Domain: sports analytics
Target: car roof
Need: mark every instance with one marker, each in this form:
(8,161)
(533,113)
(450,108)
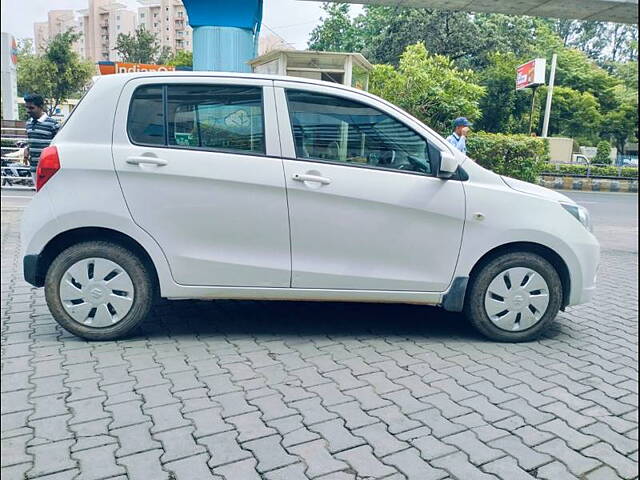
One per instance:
(125,77)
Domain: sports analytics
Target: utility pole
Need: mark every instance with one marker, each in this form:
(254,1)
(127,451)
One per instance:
(547,109)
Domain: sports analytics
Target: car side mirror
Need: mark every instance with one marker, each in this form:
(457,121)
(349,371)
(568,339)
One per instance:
(448,164)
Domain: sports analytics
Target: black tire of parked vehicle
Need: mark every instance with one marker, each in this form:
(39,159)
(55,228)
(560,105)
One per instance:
(135,268)
(474,302)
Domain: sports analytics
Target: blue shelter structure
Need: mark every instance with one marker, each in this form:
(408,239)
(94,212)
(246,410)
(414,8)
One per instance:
(225,33)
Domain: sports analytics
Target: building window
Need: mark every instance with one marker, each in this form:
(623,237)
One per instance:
(142,15)
(118,17)
(155,25)
(180,14)
(118,27)
(155,15)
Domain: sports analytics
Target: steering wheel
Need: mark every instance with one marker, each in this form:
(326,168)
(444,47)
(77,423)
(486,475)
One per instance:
(413,164)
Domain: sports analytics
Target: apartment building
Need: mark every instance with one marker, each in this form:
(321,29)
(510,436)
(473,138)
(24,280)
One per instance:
(40,36)
(58,21)
(167,19)
(101,24)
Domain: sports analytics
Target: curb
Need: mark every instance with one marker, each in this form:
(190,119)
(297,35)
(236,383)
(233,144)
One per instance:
(583,184)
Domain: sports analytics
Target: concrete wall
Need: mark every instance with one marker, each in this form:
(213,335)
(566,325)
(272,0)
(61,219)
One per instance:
(560,149)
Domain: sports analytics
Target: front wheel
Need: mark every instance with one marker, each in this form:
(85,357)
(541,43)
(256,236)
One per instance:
(514,297)
(98,290)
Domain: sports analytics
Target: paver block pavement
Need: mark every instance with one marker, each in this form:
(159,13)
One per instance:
(248,390)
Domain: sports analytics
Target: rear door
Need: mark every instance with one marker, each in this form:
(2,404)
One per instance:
(198,162)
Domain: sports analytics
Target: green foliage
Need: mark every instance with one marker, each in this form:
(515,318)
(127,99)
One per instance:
(574,114)
(336,33)
(56,75)
(621,124)
(590,73)
(182,58)
(581,170)
(517,156)
(603,155)
(430,87)
(140,46)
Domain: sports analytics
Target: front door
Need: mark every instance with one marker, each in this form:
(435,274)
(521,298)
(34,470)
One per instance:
(200,170)
(366,211)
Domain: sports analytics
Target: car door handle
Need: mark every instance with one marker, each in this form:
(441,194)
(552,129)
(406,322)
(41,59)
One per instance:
(146,160)
(299,177)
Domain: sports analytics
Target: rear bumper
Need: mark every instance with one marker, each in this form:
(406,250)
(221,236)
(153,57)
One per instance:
(30,269)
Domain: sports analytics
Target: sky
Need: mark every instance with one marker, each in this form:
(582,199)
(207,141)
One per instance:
(292,20)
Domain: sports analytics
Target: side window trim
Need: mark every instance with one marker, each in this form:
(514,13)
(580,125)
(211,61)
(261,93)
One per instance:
(287,88)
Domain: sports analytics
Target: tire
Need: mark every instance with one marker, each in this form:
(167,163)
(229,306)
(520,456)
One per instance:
(483,305)
(133,296)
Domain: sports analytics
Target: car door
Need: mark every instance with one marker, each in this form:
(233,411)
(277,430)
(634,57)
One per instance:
(366,212)
(198,159)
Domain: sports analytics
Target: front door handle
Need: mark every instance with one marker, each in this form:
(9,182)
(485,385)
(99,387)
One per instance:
(299,177)
(146,161)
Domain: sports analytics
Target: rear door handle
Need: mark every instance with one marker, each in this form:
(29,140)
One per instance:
(146,160)
(299,177)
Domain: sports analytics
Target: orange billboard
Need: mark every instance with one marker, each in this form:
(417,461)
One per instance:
(108,68)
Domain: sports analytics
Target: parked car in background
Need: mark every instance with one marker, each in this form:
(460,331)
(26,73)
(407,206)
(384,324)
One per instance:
(211,185)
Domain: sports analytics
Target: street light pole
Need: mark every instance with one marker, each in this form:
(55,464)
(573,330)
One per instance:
(547,109)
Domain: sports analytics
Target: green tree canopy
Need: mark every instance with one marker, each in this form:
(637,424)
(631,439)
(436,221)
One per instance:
(58,74)
(141,46)
(182,58)
(428,86)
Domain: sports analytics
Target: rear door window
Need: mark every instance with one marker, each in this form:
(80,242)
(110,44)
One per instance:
(216,117)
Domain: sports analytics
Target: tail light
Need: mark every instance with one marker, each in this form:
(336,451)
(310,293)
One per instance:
(48,165)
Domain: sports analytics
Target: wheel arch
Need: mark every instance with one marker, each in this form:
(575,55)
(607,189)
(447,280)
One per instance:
(545,252)
(84,234)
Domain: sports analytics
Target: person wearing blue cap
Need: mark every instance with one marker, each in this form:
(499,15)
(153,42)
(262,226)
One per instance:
(459,136)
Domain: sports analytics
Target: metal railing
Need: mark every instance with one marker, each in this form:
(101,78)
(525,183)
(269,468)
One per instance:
(14,175)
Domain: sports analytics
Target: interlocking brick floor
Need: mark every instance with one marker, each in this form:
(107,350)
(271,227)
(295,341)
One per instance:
(275,390)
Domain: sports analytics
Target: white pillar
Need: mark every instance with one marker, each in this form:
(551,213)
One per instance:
(547,109)
(9,79)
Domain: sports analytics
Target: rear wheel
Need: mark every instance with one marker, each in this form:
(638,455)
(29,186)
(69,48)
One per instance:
(514,297)
(98,290)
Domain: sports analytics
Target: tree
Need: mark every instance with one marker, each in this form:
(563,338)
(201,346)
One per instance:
(574,114)
(429,87)
(504,109)
(182,58)
(58,74)
(139,47)
(336,33)
(603,153)
(621,123)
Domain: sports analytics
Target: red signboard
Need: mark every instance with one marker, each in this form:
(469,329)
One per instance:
(530,74)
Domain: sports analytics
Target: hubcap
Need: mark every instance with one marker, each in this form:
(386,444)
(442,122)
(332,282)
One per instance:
(96,292)
(517,299)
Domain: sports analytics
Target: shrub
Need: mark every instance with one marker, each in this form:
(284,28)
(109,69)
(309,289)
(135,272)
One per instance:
(604,153)
(581,170)
(517,156)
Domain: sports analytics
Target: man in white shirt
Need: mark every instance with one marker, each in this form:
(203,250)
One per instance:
(459,136)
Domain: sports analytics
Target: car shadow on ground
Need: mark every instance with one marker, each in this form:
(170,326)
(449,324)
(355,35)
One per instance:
(304,319)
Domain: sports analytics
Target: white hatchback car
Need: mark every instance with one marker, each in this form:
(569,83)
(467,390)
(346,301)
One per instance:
(210,185)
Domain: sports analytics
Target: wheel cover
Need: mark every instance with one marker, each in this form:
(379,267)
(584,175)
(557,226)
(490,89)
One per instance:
(96,292)
(516,299)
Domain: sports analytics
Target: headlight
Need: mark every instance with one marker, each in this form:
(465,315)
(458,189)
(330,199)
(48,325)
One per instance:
(580,213)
